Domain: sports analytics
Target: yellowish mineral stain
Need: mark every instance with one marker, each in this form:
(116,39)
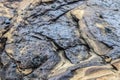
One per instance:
(9,51)
(25,71)
(78,13)
(61,66)
(93,72)
(101,26)
(9,35)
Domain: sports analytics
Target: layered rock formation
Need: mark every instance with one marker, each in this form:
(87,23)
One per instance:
(59,40)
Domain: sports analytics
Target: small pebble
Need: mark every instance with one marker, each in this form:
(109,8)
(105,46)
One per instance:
(107,30)
(7,21)
(53,6)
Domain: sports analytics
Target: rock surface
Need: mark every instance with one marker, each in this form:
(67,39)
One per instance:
(59,40)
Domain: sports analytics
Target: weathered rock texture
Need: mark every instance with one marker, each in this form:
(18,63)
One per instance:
(59,40)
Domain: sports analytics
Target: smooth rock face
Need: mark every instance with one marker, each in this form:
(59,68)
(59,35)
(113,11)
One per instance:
(59,40)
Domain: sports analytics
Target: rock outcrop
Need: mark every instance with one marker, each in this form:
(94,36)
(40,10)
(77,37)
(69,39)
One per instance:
(59,40)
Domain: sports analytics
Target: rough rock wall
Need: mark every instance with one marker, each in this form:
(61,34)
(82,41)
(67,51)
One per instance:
(59,40)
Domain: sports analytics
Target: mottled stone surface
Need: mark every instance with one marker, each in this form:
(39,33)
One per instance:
(59,40)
